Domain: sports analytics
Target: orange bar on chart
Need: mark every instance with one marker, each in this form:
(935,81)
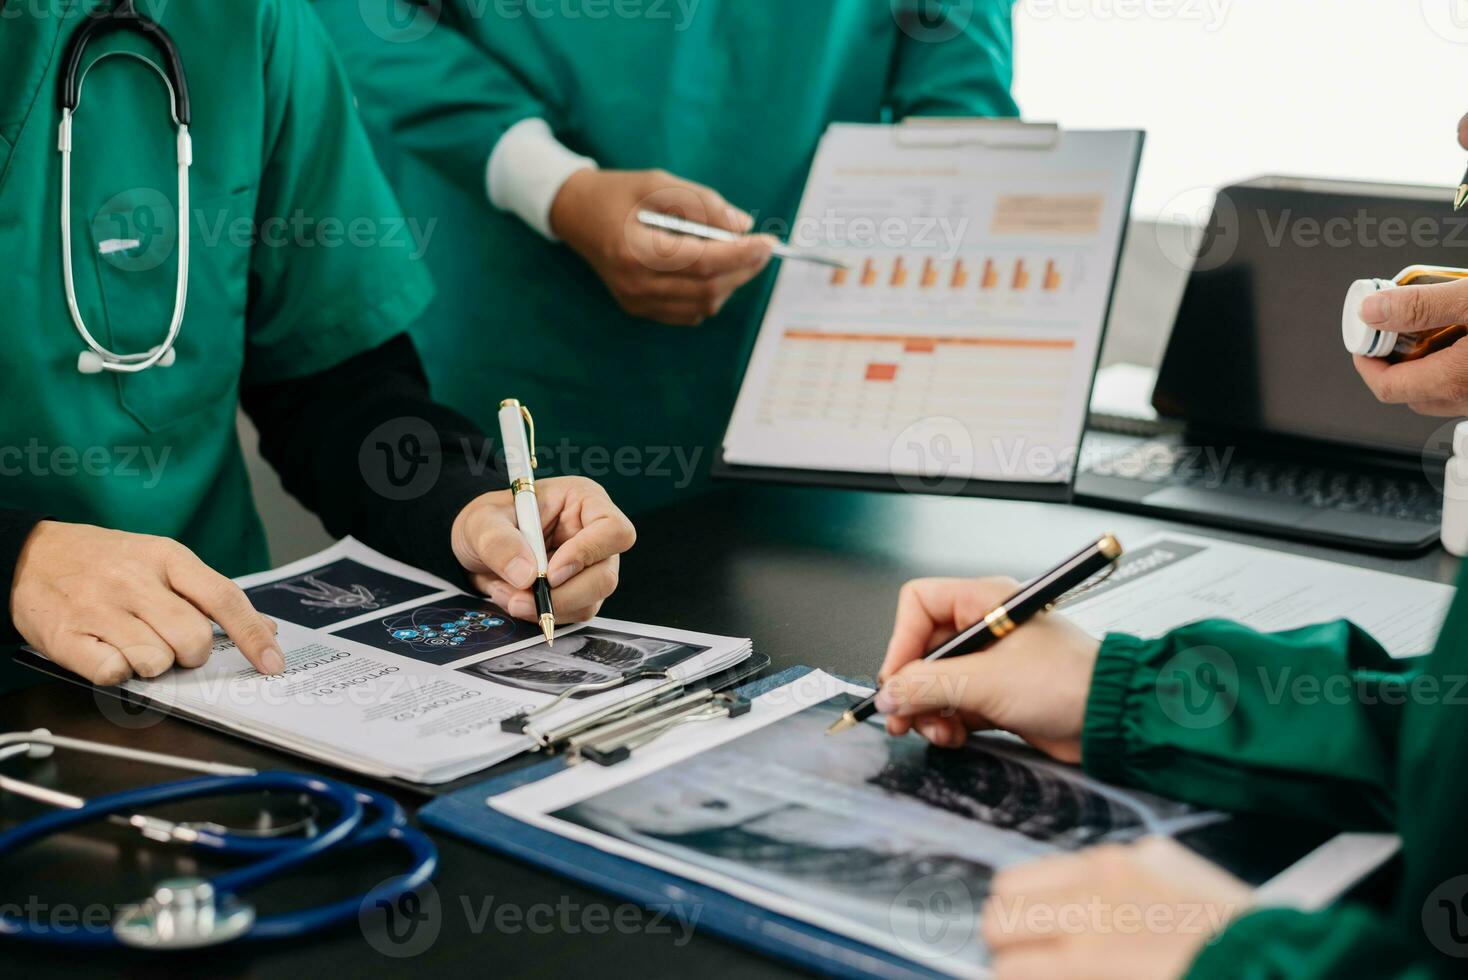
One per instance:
(899,272)
(868,273)
(1021,275)
(991,274)
(1052,276)
(930,274)
(881,372)
(960,275)
(838,277)
(920,345)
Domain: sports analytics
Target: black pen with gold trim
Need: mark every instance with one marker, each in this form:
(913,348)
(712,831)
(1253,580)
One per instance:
(1461,198)
(1033,598)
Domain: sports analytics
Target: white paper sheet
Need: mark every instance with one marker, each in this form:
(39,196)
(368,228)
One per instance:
(1170,580)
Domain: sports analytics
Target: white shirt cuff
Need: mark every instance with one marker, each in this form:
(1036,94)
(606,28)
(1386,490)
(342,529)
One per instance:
(527,170)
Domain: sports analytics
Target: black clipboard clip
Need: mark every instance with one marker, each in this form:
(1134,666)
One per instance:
(958,131)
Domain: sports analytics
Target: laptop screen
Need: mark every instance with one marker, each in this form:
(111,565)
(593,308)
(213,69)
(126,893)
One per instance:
(1257,343)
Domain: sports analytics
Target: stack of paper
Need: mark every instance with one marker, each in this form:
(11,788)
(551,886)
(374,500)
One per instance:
(395,673)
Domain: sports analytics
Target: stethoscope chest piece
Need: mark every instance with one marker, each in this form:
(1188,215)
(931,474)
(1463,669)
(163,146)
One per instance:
(183,913)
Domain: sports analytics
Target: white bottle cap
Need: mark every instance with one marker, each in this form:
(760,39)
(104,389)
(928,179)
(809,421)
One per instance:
(1460,441)
(1455,507)
(1359,336)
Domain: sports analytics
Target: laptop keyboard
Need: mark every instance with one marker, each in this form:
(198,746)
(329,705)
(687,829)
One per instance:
(1200,468)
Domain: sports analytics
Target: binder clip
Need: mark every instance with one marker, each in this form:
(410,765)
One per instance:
(614,742)
(523,723)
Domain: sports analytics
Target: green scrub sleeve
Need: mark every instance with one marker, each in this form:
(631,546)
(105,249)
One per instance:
(1342,941)
(337,269)
(954,58)
(1303,723)
(422,80)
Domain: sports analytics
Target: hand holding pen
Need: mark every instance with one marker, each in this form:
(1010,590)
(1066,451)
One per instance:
(584,535)
(651,273)
(1461,198)
(1034,682)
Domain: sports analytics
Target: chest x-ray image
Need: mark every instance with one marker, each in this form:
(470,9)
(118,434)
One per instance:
(587,656)
(896,837)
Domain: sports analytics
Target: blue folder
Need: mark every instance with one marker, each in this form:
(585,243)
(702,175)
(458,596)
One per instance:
(466,814)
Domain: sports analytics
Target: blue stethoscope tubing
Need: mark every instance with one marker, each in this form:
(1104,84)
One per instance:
(352,828)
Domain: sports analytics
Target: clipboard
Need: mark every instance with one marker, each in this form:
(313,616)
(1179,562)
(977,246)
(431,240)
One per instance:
(935,134)
(1294,864)
(464,814)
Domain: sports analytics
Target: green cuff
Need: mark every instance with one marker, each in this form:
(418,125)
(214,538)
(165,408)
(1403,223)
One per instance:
(1234,952)
(1103,738)
(1340,941)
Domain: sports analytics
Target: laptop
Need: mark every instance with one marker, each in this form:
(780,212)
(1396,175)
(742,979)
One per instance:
(1264,424)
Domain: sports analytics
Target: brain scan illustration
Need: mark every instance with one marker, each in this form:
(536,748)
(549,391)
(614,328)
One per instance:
(437,631)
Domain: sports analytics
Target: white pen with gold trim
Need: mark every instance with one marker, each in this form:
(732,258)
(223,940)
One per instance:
(520,463)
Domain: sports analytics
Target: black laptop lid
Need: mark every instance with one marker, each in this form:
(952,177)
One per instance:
(1256,348)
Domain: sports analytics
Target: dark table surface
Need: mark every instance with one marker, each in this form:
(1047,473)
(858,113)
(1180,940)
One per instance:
(811,575)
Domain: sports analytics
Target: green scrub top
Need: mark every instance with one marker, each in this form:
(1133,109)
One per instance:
(1317,724)
(295,263)
(734,94)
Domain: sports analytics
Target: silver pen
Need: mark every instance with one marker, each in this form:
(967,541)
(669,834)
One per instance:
(682,226)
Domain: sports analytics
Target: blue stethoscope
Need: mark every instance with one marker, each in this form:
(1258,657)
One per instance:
(122,17)
(188,913)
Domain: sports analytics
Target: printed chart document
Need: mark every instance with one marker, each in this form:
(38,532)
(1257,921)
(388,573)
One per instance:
(962,341)
(1170,580)
(886,841)
(390,671)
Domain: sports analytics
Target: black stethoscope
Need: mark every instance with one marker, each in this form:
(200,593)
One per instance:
(123,17)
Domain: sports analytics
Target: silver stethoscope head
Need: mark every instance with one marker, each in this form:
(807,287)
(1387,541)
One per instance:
(98,358)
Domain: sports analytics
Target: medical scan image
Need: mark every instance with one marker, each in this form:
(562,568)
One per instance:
(882,833)
(334,593)
(588,656)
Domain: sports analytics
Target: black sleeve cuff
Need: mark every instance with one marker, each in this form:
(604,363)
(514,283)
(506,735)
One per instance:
(366,448)
(15,528)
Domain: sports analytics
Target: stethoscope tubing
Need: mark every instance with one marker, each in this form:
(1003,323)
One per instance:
(97,357)
(351,829)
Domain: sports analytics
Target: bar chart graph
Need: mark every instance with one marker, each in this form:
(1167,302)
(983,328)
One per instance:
(969,314)
(1016,274)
